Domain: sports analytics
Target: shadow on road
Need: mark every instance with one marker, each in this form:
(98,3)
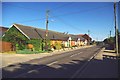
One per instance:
(105,68)
(96,68)
(42,70)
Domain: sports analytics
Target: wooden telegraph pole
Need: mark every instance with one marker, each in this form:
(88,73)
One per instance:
(46,32)
(110,33)
(116,29)
(89,36)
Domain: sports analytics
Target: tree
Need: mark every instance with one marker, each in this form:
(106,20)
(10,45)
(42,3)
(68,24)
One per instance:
(110,43)
(110,40)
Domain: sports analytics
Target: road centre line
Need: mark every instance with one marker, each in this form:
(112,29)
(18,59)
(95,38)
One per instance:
(84,66)
(75,54)
(42,67)
(52,63)
(29,72)
(36,69)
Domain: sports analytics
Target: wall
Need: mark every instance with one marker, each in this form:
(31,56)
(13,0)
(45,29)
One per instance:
(5,46)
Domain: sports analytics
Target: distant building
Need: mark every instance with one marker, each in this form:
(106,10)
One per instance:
(87,38)
(2,30)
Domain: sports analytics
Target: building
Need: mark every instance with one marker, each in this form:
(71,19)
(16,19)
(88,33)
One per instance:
(2,30)
(56,38)
(4,46)
(87,38)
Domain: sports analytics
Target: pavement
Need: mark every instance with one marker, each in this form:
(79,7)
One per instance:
(9,58)
(104,65)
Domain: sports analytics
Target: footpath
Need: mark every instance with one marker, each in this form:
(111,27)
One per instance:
(104,65)
(9,58)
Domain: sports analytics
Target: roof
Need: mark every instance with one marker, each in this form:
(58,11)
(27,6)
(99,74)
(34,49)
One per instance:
(85,36)
(36,33)
(80,34)
(3,30)
(76,37)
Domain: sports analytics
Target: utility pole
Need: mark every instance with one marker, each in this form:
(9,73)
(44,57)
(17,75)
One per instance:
(46,32)
(110,33)
(89,36)
(116,29)
(88,32)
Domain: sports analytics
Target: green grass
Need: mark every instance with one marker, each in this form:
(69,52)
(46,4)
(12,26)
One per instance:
(27,51)
(10,52)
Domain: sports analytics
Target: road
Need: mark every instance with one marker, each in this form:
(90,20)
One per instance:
(65,65)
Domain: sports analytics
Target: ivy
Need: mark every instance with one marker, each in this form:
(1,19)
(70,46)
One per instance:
(20,41)
(15,37)
(37,44)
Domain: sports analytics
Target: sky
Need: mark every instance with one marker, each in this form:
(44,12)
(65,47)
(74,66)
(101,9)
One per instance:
(71,17)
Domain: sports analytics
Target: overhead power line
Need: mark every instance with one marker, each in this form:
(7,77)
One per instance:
(18,6)
(81,11)
(53,9)
(68,24)
(66,14)
(36,10)
(56,8)
(30,20)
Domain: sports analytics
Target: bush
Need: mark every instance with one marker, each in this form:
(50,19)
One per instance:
(25,51)
(58,46)
(37,44)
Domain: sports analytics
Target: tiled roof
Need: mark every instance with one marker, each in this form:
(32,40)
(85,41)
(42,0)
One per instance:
(85,36)
(2,30)
(33,33)
(75,37)
(38,33)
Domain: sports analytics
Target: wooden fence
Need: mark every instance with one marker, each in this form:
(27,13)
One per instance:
(5,46)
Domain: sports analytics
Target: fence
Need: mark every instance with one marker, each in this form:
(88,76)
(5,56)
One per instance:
(5,46)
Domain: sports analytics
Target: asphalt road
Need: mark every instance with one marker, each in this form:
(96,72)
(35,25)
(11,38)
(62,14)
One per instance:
(64,65)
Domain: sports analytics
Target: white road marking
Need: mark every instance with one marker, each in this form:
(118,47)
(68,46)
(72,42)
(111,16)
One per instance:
(71,55)
(36,69)
(31,71)
(80,69)
(52,63)
(75,54)
(80,52)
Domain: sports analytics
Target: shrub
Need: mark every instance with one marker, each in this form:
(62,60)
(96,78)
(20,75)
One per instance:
(25,51)
(58,46)
(37,44)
